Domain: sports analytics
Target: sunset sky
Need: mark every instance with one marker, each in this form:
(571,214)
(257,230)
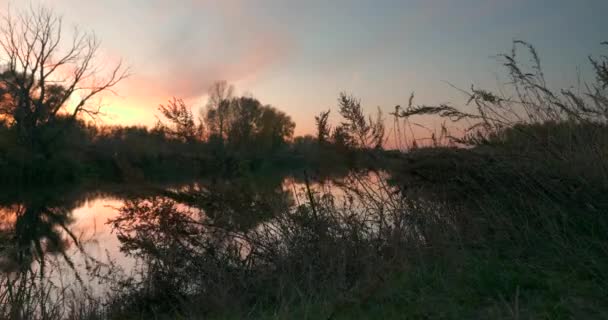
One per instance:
(298,55)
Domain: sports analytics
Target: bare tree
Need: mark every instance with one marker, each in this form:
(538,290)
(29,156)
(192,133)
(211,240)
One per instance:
(47,75)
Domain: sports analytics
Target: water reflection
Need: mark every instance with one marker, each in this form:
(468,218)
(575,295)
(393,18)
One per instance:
(237,203)
(68,222)
(84,238)
(181,238)
(33,229)
(238,240)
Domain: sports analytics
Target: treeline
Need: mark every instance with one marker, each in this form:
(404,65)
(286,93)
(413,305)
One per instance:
(49,89)
(236,125)
(232,135)
(88,152)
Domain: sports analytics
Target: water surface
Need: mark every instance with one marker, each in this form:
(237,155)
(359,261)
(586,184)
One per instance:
(65,234)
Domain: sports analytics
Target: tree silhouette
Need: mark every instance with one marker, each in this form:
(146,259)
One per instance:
(183,125)
(323,128)
(275,128)
(48,76)
(358,130)
(219,112)
(257,127)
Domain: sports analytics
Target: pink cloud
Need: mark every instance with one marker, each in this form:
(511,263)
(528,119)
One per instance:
(178,49)
(239,46)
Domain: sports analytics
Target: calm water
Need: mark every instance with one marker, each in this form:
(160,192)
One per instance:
(67,235)
(68,230)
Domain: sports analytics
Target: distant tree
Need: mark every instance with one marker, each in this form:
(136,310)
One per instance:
(274,128)
(356,128)
(323,127)
(306,140)
(47,77)
(257,127)
(246,113)
(343,138)
(182,124)
(218,114)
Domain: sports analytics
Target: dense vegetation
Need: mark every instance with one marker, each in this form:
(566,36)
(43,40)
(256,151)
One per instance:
(255,137)
(233,134)
(507,220)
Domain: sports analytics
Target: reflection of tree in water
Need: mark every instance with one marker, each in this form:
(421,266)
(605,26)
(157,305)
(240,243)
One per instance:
(165,229)
(196,234)
(35,228)
(241,203)
(35,225)
(37,231)
(249,245)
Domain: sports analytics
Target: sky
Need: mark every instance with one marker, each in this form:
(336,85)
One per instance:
(299,55)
